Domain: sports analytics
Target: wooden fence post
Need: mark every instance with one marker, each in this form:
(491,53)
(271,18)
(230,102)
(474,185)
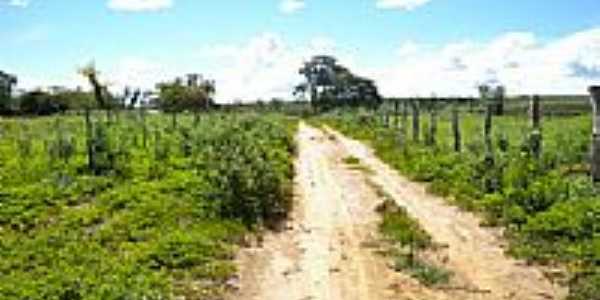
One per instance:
(456,127)
(595,161)
(144,127)
(431,141)
(396,113)
(484,91)
(403,129)
(386,118)
(487,129)
(405,117)
(536,119)
(416,120)
(499,98)
(471,105)
(174,120)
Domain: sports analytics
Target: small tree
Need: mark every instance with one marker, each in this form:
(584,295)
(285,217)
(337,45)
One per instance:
(172,97)
(196,94)
(103,98)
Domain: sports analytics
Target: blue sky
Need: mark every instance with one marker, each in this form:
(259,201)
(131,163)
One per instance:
(252,48)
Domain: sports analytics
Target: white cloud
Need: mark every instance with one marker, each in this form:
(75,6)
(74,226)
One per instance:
(138,72)
(266,66)
(45,80)
(518,60)
(135,72)
(401,4)
(139,5)
(291,6)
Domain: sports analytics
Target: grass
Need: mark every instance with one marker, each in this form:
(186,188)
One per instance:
(407,242)
(351,160)
(355,164)
(428,274)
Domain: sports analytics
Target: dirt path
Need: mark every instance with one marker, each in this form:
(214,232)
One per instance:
(327,250)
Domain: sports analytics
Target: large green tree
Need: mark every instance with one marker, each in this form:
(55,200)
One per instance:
(330,84)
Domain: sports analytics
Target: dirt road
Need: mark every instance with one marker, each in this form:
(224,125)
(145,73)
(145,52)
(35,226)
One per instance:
(328,249)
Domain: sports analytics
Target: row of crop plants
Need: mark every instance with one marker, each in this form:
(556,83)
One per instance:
(137,208)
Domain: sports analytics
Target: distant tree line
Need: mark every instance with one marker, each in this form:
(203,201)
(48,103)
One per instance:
(38,102)
(189,93)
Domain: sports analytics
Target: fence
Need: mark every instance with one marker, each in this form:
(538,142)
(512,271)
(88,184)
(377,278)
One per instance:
(556,128)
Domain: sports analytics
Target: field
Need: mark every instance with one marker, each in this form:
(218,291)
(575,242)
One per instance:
(283,150)
(159,215)
(547,204)
(145,205)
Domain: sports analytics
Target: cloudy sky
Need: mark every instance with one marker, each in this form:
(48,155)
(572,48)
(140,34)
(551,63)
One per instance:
(254,48)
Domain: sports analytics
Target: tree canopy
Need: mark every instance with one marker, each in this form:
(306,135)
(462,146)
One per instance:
(330,84)
(194,93)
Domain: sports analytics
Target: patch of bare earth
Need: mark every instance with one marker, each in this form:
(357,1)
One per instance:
(328,248)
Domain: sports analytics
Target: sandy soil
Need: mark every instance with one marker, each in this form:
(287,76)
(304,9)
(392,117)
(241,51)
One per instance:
(328,248)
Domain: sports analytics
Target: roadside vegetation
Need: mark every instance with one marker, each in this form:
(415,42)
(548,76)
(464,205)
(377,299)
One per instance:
(548,205)
(409,244)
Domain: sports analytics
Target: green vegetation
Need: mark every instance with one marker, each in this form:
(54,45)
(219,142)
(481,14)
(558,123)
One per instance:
(351,160)
(157,213)
(408,240)
(548,204)
(330,84)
